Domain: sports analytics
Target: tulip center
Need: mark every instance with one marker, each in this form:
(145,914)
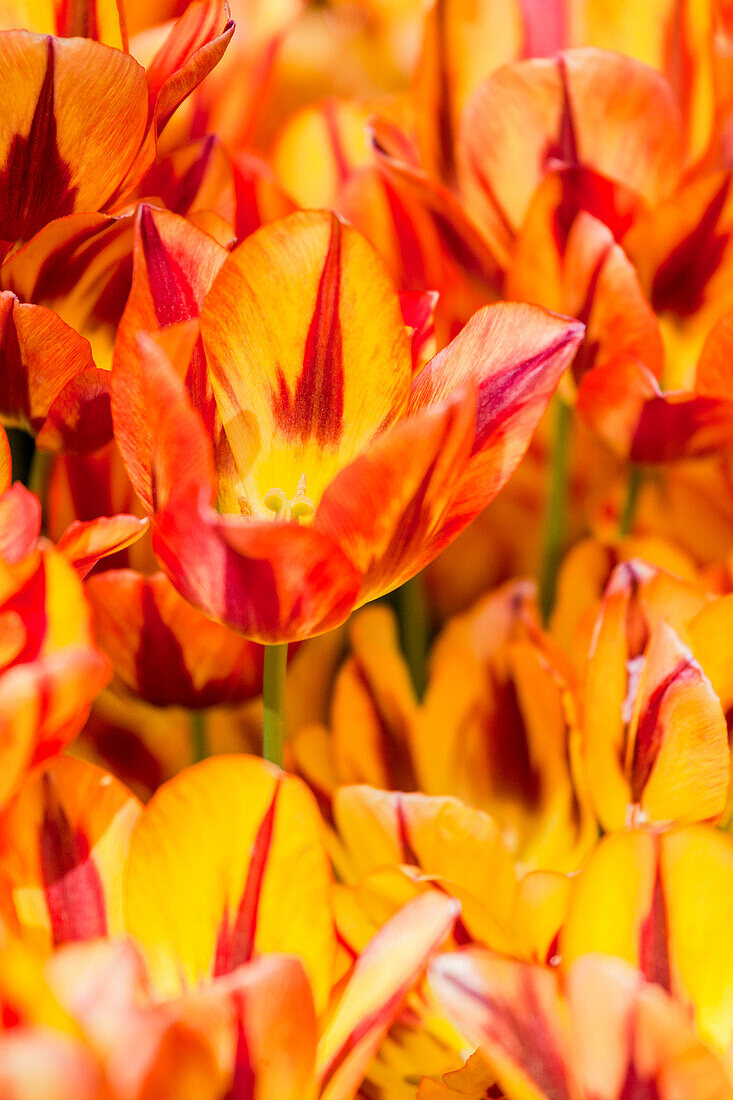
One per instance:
(286,509)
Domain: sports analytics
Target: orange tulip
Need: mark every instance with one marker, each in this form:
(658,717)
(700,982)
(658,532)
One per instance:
(604,1032)
(162,649)
(498,727)
(330,413)
(655,741)
(57,158)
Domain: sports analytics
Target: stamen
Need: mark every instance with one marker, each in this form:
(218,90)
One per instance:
(300,507)
(276,500)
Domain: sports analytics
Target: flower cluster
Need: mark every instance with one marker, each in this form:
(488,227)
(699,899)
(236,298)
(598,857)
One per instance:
(366,550)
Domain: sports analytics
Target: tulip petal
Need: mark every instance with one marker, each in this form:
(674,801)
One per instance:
(272,582)
(227,861)
(65,837)
(20,523)
(195,45)
(32,338)
(574,109)
(174,265)
(515,355)
(84,544)
(515,1012)
(677,752)
(390,536)
(77,113)
(458,845)
(6,462)
(392,962)
(302,377)
(165,650)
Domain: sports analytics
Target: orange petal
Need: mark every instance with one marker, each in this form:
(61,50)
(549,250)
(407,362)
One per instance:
(58,156)
(333,138)
(677,753)
(272,582)
(165,650)
(462,43)
(373,693)
(31,338)
(84,544)
(65,839)
(637,599)
(6,462)
(174,265)
(515,1012)
(195,45)
(682,250)
(573,109)
(515,355)
(276,1029)
(36,1063)
(302,379)
(390,537)
(392,962)
(43,705)
(227,861)
(459,845)
(662,903)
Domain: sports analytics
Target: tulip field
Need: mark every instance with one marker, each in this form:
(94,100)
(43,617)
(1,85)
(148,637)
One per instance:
(366,549)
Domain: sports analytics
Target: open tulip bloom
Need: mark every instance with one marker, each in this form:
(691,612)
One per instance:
(294,467)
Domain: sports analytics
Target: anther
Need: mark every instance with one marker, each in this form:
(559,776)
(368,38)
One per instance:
(275,501)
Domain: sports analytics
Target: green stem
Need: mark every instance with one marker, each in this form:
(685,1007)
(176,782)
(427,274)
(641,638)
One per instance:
(628,512)
(415,627)
(273,697)
(39,473)
(199,739)
(555,516)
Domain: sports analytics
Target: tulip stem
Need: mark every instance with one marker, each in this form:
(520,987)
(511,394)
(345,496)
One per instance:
(199,739)
(414,625)
(273,698)
(39,473)
(628,512)
(555,514)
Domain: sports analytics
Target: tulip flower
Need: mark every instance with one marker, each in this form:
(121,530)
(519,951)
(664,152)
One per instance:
(269,889)
(670,892)
(312,422)
(480,734)
(603,1032)
(655,740)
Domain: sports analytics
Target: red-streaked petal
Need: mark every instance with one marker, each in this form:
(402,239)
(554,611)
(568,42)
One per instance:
(164,649)
(515,1012)
(40,355)
(65,837)
(575,109)
(515,356)
(392,962)
(386,508)
(302,377)
(194,46)
(85,543)
(6,462)
(227,861)
(79,113)
(174,265)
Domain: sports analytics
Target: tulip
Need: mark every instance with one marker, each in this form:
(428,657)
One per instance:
(334,474)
